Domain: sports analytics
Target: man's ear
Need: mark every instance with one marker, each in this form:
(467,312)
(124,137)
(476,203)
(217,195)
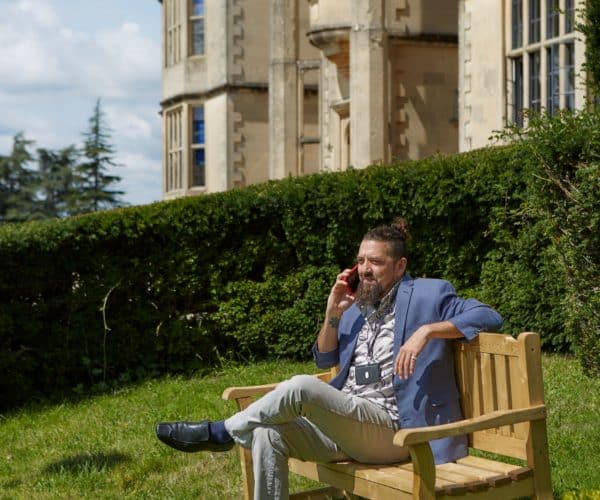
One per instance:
(400,267)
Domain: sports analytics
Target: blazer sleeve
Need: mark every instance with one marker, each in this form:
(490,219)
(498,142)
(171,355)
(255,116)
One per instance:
(325,359)
(469,316)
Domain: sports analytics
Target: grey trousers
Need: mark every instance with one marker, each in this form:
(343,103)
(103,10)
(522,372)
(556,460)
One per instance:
(308,419)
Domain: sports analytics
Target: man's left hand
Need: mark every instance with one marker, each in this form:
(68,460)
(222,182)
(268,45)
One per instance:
(407,358)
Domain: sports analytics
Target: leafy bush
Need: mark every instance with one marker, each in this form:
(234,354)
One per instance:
(562,210)
(174,286)
(276,317)
(522,275)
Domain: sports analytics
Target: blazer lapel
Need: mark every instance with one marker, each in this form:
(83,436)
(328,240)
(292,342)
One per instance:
(356,322)
(402,302)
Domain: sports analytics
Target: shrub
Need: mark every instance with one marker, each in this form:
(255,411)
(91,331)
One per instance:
(174,286)
(562,209)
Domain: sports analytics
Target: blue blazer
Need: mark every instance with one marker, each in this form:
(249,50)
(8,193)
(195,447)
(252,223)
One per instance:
(430,396)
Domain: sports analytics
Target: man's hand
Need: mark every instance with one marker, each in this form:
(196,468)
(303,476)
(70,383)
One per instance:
(338,301)
(340,298)
(408,356)
(405,363)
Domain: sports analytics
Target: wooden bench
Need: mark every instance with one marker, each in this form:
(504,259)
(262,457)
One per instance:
(502,397)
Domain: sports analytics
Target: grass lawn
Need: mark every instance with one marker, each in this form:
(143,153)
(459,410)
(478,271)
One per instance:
(104,446)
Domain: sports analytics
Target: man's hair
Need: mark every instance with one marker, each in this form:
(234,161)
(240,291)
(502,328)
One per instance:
(396,235)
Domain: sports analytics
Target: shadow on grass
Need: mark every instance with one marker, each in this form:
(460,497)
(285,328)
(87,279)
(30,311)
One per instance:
(13,483)
(86,462)
(40,402)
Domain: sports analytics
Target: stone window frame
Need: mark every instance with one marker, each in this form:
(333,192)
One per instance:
(173,32)
(518,60)
(196,19)
(174,148)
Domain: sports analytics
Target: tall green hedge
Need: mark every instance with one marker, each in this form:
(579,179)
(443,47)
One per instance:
(563,209)
(174,286)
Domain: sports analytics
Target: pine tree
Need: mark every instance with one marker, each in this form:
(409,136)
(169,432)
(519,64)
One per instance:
(18,183)
(94,181)
(57,181)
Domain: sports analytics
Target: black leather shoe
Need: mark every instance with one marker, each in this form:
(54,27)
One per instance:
(189,436)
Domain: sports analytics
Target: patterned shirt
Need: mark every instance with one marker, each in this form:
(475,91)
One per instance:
(375,345)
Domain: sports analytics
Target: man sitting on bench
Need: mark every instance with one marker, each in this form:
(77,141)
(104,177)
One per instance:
(392,340)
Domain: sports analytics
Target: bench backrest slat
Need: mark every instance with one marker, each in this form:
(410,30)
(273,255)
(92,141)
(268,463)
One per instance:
(499,372)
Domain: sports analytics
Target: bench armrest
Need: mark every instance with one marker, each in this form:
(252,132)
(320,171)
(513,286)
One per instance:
(417,440)
(250,391)
(253,391)
(416,435)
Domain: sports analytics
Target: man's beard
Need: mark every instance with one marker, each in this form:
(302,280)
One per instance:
(369,293)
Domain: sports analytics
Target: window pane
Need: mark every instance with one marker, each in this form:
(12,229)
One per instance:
(535,95)
(534,21)
(569,15)
(198,8)
(173,149)
(552,18)
(517,90)
(569,76)
(172,35)
(517,23)
(198,37)
(553,79)
(198,125)
(198,168)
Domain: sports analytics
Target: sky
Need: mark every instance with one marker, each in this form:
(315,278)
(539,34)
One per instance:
(58,57)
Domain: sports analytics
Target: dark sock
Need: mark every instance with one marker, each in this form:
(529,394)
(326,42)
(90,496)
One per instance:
(218,433)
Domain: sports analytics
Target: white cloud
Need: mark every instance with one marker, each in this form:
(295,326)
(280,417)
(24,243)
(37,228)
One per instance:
(27,56)
(38,126)
(6,142)
(40,11)
(139,174)
(58,56)
(36,50)
(128,125)
(122,57)
(66,33)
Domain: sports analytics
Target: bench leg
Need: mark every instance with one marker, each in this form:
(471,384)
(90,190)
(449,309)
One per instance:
(247,473)
(537,457)
(423,471)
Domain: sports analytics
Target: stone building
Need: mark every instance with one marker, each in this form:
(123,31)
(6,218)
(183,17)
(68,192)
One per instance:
(516,55)
(263,89)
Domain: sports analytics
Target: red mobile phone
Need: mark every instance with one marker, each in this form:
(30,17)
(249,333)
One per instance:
(352,279)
